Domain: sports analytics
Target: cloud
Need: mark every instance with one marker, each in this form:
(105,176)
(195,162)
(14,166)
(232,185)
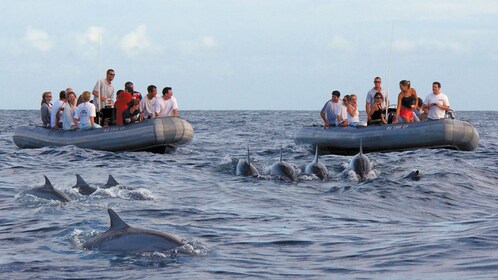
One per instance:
(94,34)
(204,43)
(340,43)
(38,39)
(407,46)
(136,41)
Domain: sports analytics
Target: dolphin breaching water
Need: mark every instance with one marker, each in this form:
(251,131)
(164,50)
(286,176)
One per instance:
(360,164)
(317,168)
(121,237)
(48,191)
(245,167)
(283,170)
(83,187)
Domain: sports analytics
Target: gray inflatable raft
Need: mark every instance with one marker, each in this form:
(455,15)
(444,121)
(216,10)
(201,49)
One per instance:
(444,133)
(153,135)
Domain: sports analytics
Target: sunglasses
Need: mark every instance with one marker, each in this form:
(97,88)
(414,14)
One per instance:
(378,97)
(377,82)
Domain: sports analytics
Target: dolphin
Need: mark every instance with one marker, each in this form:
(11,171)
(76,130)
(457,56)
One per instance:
(414,175)
(360,164)
(83,187)
(48,191)
(121,237)
(245,167)
(111,182)
(283,169)
(317,168)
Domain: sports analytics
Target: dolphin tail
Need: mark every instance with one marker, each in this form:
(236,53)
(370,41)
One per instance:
(47,183)
(111,182)
(316,154)
(80,182)
(116,222)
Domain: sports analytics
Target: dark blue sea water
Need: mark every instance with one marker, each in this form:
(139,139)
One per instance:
(444,226)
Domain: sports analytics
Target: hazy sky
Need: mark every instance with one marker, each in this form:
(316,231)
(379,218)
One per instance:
(251,55)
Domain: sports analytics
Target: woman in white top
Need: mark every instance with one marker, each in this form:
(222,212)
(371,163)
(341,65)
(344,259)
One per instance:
(352,108)
(85,112)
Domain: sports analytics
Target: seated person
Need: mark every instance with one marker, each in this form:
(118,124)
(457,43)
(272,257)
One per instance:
(85,113)
(121,104)
(132,114)
(353,114)
(419,114)
(343,116)
(377,112)
(46,108)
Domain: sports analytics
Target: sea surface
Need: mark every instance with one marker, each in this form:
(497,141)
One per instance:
(443,226)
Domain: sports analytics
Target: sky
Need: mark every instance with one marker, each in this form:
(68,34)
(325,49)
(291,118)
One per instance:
(251,54)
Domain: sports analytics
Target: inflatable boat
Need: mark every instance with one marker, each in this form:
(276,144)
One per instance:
(150,135)
(444,133)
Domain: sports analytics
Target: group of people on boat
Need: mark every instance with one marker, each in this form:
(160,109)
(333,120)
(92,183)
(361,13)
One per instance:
(69,112)
(409,108)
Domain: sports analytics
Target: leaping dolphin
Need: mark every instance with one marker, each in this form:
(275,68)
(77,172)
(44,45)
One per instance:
(124,238)
(317,168)
(111,182)
(360,164)
(283,169)
(83,187)
(48,191)
(245,167)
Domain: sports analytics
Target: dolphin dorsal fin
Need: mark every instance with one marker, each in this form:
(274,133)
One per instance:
(116,222)
(80,182)
(361,146)
(47,183)
(316,154)
(281,149)
(111,182)
(248,159)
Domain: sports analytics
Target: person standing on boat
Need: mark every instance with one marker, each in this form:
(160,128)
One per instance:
(166,105)
(55,110)
(147,103)
(46,108)
(85,113)
(106,91)
(371,93)
(437,103)
(407,101)
(67,110)
(331,111)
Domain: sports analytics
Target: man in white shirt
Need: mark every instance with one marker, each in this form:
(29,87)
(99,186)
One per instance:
(55,110)
(166,105)
(331,111)
(437,103)
(147,103)
(106,91)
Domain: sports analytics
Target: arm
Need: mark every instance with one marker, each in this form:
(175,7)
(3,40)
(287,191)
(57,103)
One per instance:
(398,107)
(325,122)
(351,110)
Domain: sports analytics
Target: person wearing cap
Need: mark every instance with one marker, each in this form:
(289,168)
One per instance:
(147,104)
(132,114)
(166,105)
(331,111)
